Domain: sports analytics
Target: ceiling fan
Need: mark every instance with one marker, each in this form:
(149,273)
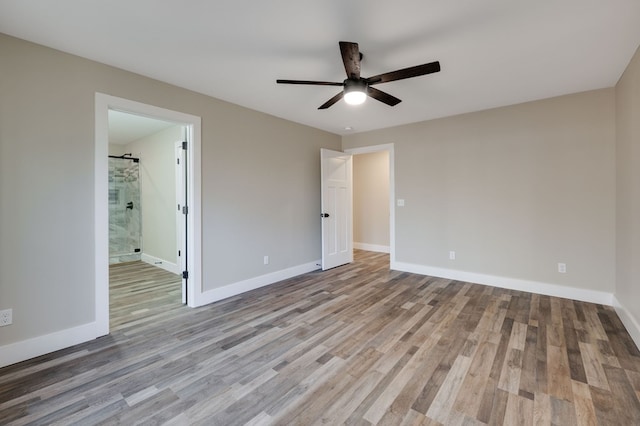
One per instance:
(355,88)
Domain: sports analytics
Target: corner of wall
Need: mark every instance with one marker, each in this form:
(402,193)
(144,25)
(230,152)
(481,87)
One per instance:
(630,322)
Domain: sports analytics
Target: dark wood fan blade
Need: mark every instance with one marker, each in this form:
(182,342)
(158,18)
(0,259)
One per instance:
(383,97)
(416,71)
(315,83)
(351,58)
(331,101)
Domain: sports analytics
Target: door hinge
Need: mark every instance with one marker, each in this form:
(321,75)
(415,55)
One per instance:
(184,145)
(185,210)
(185,275)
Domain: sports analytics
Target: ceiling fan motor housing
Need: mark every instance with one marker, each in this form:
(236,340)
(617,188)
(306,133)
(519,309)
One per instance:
(351,85)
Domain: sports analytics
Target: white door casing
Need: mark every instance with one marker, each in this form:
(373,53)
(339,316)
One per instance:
(337,205)
(103,103)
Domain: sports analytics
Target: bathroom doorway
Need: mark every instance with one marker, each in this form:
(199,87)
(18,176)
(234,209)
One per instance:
(188,263)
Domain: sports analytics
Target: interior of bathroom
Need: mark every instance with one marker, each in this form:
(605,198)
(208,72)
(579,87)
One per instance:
(142,190)
(125,222)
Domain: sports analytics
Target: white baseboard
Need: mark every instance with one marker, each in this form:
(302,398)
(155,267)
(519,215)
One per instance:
(41,345)
(160,263)
(30,348)
(213,295)
(371,247)
(556,290)
(630,322)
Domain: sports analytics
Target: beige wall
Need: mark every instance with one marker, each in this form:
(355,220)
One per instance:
(628,194)
(158,192)
(514,191)
(116,149)
(260,185)
(371,199)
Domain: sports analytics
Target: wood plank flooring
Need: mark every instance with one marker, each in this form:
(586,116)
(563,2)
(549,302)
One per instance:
(355,345)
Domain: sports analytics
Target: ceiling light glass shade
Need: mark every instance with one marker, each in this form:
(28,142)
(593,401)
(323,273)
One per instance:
(355,97)
(355,91)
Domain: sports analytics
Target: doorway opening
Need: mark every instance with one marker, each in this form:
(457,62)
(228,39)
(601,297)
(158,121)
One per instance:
(185,216)
(374,195)
(145,227)
(145,187)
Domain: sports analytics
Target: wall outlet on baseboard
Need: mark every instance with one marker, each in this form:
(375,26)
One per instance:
(452,255)
(266,260)
(562,268)
(6,317)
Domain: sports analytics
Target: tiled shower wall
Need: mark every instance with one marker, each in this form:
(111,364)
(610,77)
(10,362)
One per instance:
(125,231)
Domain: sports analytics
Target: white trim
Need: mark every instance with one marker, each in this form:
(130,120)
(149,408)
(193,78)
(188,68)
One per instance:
(389,147)
(371,247)
(239,287)
(103,103)
(548,289)
(101,214)
(41,345)
(160,263)
(194,244)
(630,322)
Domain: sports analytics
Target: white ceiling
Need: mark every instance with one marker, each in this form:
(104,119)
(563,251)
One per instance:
(492,52)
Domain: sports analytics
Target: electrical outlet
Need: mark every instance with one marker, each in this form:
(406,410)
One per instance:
(266,260)
(6,317)
(562,268)
(452,255)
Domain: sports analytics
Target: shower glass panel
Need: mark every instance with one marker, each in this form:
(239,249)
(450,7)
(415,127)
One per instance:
(125,231)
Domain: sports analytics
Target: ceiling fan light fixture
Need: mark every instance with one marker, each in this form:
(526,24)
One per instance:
(355,92)
(355,97)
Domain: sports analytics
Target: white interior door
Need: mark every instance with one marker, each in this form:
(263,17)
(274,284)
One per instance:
(337,206)
(180,217)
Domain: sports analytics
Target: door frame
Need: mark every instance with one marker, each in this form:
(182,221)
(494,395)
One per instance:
(389,148)
(104,103)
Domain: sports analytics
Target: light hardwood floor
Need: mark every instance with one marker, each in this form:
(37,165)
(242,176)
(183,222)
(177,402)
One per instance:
(357,344)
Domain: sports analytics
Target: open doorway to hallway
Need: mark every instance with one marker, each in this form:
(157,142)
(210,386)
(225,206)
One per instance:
(374,199)
(371,230)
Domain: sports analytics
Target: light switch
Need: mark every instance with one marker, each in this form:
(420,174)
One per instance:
(400,202)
